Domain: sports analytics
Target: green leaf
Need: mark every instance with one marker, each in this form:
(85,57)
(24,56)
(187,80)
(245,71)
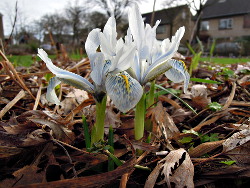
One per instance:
(86,133)
(48,76)
(227,72)
(204,81)
(111,163)
(215,106)
(227,162)
(185,140)
(213,137)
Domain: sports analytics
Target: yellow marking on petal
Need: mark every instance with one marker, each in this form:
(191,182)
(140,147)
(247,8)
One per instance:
(126,82)
(183,63)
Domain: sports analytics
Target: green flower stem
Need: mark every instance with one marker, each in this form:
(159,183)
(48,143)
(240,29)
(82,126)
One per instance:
(151,95)
(140,117)
(98,129)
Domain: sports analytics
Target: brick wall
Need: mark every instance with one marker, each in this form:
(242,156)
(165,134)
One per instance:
(237,30)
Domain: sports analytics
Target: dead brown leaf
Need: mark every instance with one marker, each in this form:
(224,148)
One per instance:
(162,122)
(237,139)
(199,96)
(112,118)
(179,115)
(24,176)
(237,147)
(204,148)
(176,167)
(240,154)
(89,181)
(6,151)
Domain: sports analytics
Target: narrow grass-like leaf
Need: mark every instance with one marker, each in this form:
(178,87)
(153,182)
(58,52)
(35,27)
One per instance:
(149,138)
(111,164)
(160,87)
(114,158)
(204,81)
(86,133)
(190,48)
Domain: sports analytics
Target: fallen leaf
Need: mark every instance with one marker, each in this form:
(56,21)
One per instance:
(89,181)
(78,94)
(162,122)
(179,115)
(111,119)
(28,175)
(204,148)
(199,96)
(61,132)
(237,147)
(236,140)
(176,167)
(241,154)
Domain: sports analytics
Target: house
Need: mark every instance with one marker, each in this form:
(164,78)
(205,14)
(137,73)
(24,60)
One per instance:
(171,19)
(1,27)
(226,20)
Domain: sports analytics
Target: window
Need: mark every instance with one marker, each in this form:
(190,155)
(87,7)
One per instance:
(161,29)
(226,23)
(246,21)
(204,25)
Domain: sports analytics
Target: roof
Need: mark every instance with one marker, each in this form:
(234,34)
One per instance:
(222,8)
(166,15)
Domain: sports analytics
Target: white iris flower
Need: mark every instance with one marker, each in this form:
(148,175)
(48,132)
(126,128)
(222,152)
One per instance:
(153,58)
(108,69)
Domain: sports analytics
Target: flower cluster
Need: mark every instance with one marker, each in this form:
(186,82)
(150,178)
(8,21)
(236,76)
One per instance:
(121,68)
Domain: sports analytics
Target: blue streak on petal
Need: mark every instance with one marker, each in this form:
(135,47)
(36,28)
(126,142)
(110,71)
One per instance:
(178,73)
(66,76)
(124,90)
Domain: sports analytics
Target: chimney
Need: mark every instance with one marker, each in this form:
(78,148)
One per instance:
(1,27)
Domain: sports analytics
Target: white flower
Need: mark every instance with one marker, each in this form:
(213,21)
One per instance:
(124,90)
(108,69)
(152,58)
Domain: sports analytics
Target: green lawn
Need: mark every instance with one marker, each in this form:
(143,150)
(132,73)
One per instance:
(27,60)
(226,60)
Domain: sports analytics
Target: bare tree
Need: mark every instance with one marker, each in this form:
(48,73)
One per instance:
(172,3)
(75,14)
(96,20)
(56,23)
(114,8)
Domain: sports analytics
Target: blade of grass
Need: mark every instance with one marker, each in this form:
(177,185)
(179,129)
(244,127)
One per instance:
(160,87)
(204,81)
(111,164)
(86,133)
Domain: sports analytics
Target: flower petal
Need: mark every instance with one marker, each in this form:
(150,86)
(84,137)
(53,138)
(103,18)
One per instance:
(156,71)
(106,46)
(92,43)
(136,26)
(124,58)
(171,47)
(109,31)
(51,94)
(66,76)
(96,73)
(178,73)
(124,90)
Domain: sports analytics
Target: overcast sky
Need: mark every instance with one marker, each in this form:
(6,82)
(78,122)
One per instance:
(33,9)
